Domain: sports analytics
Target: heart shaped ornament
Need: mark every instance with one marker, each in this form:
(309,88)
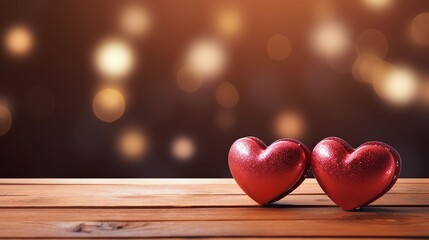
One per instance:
(353,178)
(267,174)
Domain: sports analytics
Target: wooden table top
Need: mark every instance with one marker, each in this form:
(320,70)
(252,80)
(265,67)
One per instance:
(160,208)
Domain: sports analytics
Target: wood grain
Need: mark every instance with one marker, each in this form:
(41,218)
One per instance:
(119,198)
(181,186)
(207,214)
(266,228)
(205,208)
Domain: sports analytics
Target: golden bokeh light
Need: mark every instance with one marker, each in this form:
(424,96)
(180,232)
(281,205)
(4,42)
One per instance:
(372,41)
(374,71)
(399,86)
(183,148)
(368,67)
(108,105)
(114,58)
(228,22)
(227,95)
(5,119)
(378,4)
(330,37)
(188,80)
(420,28)
(132,144)
(289,124)
(19,41)
(206,57)
(135,20)
(279,47)
(343,62)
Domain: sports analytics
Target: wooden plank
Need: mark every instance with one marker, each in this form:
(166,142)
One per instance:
(308,187)
(267,228)
(208,214)
(119,198)
(208,208)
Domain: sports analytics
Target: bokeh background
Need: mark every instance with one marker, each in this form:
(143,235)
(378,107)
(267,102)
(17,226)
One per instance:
(107,88)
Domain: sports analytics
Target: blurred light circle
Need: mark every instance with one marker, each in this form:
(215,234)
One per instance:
(289,124)
(420,28)
(371,68)
(343,62)
(376,70)
(19,40)
(378,4)
(40,102)
(206,57)
(279,47)
(227,95)
(135,20)
(330,37)
(132,144)
(372,42)
(5,119)
(114,58)
(228,22)
(225,119)
(188,80)
(183,148)
(367,67)
(108,105)
(399,86)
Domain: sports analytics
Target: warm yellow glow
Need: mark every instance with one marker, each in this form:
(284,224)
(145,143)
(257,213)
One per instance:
(5,119)
(343,62)
(420,28)
(19,41)
(132,144)
(289,124)
(368,67)
(108,105)
(114,58)
(228,22)
(330,38)
(206,57)
(372,42)
(227,95)
(135,20)
(376,70)
(278,47)
(399,86)
(188,80)
(183,148)
(378,4)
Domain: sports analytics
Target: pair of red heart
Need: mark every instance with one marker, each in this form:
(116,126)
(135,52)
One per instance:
(351,178)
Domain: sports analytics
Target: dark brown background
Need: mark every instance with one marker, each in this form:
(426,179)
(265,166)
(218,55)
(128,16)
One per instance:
(72,142)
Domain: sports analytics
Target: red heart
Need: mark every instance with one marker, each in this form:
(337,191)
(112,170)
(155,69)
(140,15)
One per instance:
(267,174)
(354,178)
